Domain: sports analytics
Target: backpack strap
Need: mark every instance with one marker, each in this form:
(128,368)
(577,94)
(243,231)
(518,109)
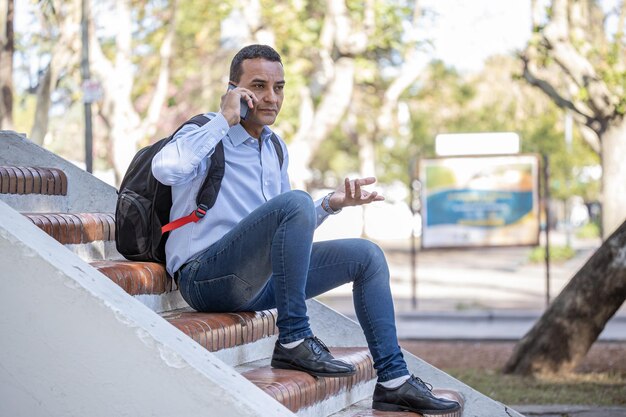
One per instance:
(211,186)
(198,120)
(279,148)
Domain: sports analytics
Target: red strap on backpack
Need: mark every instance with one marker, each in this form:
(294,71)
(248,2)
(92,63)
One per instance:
(195,216)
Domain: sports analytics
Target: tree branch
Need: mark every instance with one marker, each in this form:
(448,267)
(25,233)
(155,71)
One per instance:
(574,64)
(348,40)
(409,72)
(64,54)
(148,126)
(581,113)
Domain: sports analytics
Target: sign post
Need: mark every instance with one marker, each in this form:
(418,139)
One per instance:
(415,190)
(546,207)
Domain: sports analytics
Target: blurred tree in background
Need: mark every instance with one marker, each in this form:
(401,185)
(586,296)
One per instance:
(580,65)
(7,46)
(579,62)
(361,97)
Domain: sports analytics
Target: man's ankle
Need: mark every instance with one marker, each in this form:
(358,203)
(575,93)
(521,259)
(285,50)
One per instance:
(395,383)
(292,345)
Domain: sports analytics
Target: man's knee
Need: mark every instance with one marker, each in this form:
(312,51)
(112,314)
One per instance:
(299,201)
(375,252)
(372,255)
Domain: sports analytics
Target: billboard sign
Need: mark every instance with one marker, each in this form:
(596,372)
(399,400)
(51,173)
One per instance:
(477,201)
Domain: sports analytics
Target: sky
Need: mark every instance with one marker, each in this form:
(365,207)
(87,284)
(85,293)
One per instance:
(464,32)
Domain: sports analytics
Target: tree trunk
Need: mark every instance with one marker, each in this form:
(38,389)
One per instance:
(62,56)
(7,47)
(562,60)
(575,319)
(316,124)
(339,36)
(125,125)
(613,176)
(40,122)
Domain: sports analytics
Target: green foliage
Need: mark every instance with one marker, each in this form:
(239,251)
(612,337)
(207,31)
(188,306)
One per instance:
(493,101)
(441,101)
(557,254)
(335,158)
(588,231)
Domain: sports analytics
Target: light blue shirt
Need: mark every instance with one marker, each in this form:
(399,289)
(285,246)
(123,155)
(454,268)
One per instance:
(252,177)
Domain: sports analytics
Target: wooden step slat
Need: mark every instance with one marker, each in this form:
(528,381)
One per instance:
(298,390)
(32,180)
(217,331)
(76,228)
(136,277)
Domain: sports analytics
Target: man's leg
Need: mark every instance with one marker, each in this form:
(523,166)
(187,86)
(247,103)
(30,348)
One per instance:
(274,240)
(337,262)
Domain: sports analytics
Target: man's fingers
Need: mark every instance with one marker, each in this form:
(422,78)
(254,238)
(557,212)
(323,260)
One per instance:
(251,99)
(357,190)
(348,188)
(365,181)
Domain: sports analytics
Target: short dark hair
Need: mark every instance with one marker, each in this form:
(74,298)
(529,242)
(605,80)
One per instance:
(251,52)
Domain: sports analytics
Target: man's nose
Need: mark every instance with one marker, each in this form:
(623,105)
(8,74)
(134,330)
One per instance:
(270,96)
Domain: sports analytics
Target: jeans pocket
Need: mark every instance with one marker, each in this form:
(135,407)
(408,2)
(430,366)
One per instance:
(222,293)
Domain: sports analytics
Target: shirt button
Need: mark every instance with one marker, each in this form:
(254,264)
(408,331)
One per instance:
(223,132)
(267,183)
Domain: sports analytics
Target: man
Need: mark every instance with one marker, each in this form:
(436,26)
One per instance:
(254,249)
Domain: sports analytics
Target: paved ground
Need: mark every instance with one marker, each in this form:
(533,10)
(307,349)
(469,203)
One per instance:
(482,295)
(569,411)
(485,294)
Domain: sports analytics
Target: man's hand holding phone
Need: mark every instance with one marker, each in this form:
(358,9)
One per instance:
(236,103)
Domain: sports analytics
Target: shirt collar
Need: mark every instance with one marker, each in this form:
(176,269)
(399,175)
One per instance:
(239,135)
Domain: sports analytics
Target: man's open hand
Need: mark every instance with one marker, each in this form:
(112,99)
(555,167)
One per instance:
(351,194)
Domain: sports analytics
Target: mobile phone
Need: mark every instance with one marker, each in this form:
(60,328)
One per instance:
(243,112)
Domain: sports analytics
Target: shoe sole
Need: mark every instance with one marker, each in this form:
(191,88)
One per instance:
(394,407)
(284,365)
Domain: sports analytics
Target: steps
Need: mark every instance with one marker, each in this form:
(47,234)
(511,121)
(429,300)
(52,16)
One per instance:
(313,396)
(32,180)
(75,228)
(243,341)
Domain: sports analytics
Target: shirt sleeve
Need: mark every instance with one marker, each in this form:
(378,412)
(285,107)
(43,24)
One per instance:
(178,161)
(320,213)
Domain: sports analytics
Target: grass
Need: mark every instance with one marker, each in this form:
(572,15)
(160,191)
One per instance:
(588,231)
(603,389)
(557,254)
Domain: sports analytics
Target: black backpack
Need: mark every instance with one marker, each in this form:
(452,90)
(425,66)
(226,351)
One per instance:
(142,212)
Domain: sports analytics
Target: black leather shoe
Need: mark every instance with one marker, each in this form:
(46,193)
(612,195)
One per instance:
(311,356)
(414,395)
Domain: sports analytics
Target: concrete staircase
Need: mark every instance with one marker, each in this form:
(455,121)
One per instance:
(122,340)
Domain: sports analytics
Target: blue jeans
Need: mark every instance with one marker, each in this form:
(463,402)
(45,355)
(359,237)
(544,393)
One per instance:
(269,260)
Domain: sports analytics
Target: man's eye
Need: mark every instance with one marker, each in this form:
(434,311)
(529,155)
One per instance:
(258,86)
(279,88)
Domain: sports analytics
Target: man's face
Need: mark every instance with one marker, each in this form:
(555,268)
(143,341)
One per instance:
(266,79)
